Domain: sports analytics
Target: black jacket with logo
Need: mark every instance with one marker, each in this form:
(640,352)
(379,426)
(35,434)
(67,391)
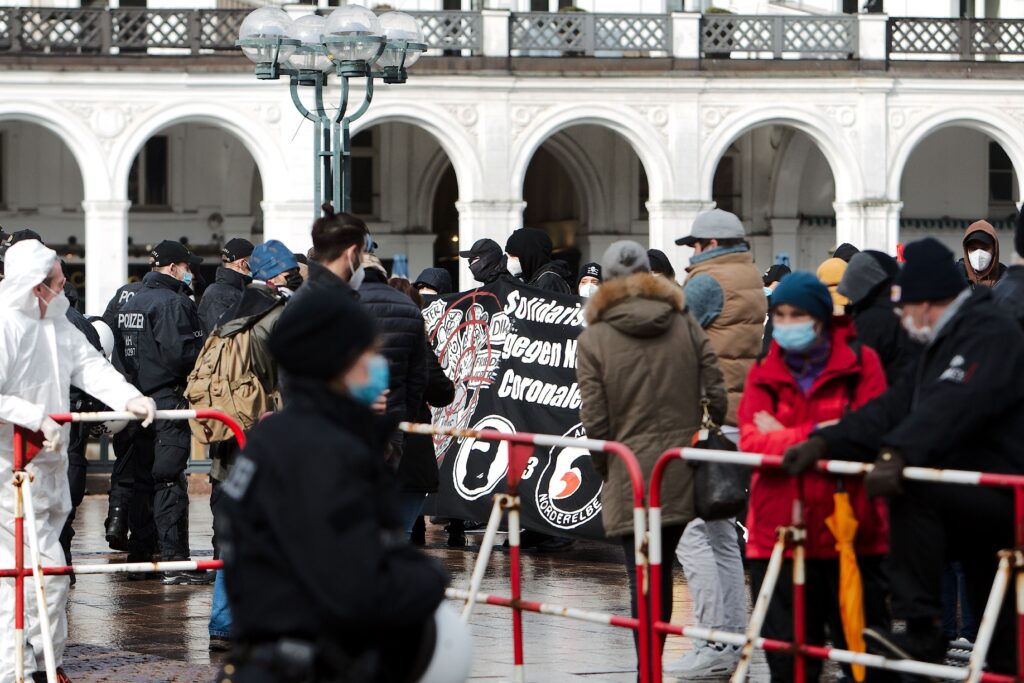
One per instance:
(161,334)
(114,306)
(221,297)
(963,406)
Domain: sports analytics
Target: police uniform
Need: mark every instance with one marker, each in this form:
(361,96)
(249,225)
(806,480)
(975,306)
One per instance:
(130,503)
(161,337)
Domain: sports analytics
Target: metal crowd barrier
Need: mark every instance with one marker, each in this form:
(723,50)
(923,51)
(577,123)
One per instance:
(1011,563)
(520,449)
(24,511)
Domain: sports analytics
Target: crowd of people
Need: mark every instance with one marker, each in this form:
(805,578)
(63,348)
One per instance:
(323,354)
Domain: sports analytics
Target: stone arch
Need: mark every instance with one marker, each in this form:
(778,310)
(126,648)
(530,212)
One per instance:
(78,137)
(587,181)
(991,124)
(264,149)
(828,137)
(456,143)
(638,132)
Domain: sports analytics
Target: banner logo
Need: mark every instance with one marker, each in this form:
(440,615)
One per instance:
(481,465)
(561,497)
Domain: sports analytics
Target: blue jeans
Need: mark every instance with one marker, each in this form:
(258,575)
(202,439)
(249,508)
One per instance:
(220,613)
(410,504)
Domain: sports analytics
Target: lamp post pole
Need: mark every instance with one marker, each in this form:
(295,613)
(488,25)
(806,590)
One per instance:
(352,42)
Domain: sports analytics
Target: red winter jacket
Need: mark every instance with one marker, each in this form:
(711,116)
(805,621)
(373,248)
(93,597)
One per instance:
(770,387)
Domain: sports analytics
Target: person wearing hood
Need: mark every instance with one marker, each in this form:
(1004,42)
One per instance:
(830,272)
(403,343)
(660,265)
(339,241)
(433,283)
(529,257)
(43,355)
(641,365)
(589,280)
(486,261)
(274,269)
(233,276)
(162,337)
(1009,291)
(845,251)
(981,255)
(771,279)
(361,606)
(867,283)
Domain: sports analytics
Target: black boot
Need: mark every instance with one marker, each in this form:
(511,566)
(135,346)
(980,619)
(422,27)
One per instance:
(116,527)
(923,641)
(419,533)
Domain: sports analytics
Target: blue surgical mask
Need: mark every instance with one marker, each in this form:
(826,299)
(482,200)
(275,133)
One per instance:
(768,292)
(376,384)
(795,336)
(187,279)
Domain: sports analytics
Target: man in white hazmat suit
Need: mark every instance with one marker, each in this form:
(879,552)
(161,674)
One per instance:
(41,356)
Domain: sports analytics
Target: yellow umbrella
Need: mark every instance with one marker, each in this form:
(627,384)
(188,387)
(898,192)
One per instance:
(843,525)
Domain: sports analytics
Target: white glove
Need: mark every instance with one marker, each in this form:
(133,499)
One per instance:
(53,435)
(142,407)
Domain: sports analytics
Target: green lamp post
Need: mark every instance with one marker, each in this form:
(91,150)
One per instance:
(351,42)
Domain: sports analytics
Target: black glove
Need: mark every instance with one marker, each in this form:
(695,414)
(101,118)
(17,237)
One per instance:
(801,457)
(886,477)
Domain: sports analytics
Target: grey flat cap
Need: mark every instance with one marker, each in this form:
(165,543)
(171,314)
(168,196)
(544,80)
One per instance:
(714,225)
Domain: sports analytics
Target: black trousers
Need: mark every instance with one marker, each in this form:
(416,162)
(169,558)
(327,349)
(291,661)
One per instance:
(670,536)
(933,524)
(224,454)
(131,488)
(164,446)
(77,464)
(822,617)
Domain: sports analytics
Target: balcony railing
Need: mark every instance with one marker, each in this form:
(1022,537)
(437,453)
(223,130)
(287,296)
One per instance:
(490,33)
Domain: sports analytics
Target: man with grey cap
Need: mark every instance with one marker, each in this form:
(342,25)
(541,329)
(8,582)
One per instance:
(725,293)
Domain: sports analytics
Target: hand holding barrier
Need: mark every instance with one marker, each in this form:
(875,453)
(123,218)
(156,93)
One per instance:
(25,510)
(1011,562)
(521,447)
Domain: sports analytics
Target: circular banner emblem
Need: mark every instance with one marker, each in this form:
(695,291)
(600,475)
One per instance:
(563,498)
(481,465)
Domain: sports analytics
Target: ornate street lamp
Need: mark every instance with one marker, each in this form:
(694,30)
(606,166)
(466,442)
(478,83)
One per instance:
(351,42)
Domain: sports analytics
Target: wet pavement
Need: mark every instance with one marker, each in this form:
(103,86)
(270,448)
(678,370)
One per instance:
(121,630)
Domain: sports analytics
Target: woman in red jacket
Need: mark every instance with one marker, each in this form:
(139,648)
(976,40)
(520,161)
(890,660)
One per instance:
(813,373)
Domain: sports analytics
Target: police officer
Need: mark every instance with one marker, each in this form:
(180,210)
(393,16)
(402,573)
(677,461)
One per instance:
(161,337)
(963,408)
(130,502)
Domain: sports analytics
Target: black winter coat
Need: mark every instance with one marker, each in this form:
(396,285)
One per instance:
(551,277)
(879,327)
(222,296)
(322,557)
(400,327)
(161,333)
(1009,293)
(962,407)
(417,471)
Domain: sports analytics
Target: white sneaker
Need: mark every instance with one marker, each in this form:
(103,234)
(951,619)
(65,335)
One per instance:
(708,662)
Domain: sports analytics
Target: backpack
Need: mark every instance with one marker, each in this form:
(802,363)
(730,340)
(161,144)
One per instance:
(223,379)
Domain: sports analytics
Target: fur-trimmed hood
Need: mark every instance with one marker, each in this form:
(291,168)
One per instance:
(641,305)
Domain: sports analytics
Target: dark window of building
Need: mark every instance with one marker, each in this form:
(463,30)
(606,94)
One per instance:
(539,5)
(3,179)
(851,6)
(562,4)
(362,185)
(147,179)
(364,139)
(643,192)
(1000,174)
(452,4)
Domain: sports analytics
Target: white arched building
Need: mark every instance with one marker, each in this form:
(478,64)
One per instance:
(872,148)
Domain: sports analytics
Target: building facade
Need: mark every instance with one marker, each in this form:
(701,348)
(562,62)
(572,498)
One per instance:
(815,128)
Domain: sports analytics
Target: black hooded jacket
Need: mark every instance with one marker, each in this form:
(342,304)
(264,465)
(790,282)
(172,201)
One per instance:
(1009,293)
(321,557)
(533,249)
(489,266)
(437,279)
(880,328)
(221,296)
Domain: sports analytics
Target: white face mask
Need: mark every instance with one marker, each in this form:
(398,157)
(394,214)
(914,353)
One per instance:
(588,290)
(922,335)
(980,260)
(356,279)
(514,267)
(57,306)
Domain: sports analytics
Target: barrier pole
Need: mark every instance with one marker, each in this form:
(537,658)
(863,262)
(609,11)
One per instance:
(19,558)
(760,612)
(518,670)
(989,618)
(1018,527)
(49,659)
(484,556)
(799,580)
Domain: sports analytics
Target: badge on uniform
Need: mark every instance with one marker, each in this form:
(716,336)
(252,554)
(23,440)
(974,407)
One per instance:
(241,476)
(955,372)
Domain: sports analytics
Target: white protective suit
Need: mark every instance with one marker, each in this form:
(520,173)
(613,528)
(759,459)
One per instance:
(39,361)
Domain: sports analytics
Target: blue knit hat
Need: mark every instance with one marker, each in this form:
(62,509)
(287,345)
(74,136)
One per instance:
(930,273)
(804,291)
(270,259)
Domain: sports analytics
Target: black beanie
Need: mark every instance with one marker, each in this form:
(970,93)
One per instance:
(1018,234)
(660,263)
(845,251)
(930,273)
(321,334)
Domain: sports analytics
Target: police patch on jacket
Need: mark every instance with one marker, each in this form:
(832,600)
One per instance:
(240,478)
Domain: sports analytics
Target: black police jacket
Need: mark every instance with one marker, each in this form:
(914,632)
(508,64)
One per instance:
(1009,293)
(961,408)
(221,297)
(114,306)
(402,337)
(321,556)
(161,334)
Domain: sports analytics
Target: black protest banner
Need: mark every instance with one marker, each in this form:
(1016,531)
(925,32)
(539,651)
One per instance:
(511,351)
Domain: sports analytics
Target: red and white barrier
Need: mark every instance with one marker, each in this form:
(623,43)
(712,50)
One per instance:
(1011,563)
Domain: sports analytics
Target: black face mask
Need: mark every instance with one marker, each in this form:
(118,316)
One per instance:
(479,268)
(293,280)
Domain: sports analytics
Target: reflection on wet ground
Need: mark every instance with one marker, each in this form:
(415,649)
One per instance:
(122,630)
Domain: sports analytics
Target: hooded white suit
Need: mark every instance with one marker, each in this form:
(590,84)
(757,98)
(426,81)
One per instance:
(39,360)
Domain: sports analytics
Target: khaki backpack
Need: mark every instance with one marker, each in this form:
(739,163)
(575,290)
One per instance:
(223,379)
